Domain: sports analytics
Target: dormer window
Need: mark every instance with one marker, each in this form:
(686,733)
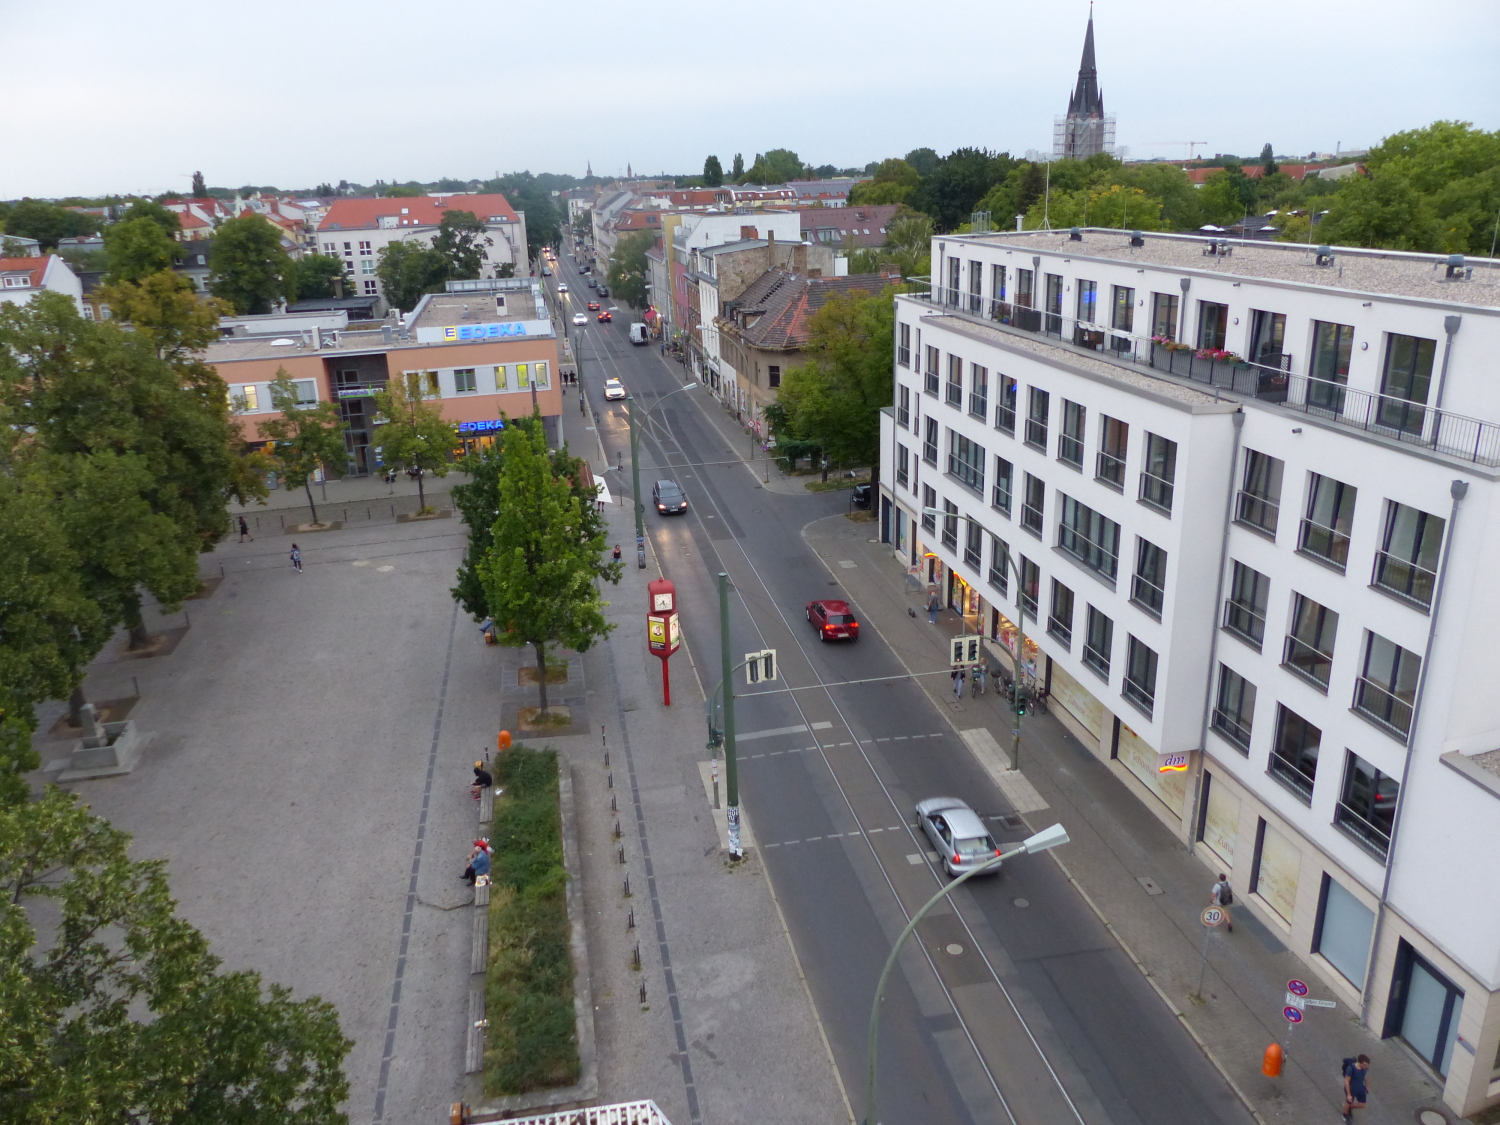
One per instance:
(16,281)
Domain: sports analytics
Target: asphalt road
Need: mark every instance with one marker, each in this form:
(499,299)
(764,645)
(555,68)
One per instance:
(1012,1004)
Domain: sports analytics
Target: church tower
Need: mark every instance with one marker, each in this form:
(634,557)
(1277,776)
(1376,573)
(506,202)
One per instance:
(589,175)
(1086,129)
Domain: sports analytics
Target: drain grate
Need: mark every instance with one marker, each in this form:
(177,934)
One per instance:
(1011,823)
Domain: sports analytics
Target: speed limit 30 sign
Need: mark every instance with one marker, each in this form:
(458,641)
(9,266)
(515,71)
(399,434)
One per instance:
(1213,916)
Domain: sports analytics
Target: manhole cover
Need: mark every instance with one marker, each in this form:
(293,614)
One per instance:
(1430,1117)
(955,949)
(1021,902)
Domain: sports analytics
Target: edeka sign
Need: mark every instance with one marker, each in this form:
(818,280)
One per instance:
(488,426)
(506,330)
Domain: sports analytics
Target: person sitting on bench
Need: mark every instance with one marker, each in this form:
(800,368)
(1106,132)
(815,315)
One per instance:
(482,780)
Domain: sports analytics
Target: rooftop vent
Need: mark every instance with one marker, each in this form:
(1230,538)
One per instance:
(1323,256)
(1136,238)
(1456,270)
(1075,234)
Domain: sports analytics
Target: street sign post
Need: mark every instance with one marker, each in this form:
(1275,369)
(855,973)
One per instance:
(1296,987)
(1212,917)
(1293,1015)
(1311,1003)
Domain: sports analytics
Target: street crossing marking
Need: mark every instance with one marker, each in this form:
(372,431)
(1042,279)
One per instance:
(1021,793)
(750,736)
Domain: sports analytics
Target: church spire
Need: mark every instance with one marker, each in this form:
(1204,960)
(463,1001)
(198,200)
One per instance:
(1087,99)
(589,175)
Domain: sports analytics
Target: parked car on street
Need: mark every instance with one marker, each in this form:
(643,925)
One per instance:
(958,835)
(668,498)
(833,619)
(860,497)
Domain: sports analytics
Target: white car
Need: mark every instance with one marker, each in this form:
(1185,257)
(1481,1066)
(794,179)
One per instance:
(562,286)
(580,318)
(613,389)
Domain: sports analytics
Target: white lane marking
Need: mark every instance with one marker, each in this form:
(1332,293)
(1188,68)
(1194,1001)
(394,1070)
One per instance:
(914,860)
(1021,794)
(874,830)
(754,734)
(821,726)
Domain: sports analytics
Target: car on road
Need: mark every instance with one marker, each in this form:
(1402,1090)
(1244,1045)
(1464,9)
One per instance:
(668,498)
(958,835)
(833,620)
(546,272)
(593,306)
(605,316)
(562,286)
(593,284)
(603,290)
(638,334)
(580,318)
(614,389)
(860,496)
(583,269)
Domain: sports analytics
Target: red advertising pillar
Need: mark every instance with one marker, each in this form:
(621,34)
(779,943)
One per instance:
(663,631)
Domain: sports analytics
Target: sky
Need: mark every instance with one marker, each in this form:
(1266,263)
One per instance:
(106,97)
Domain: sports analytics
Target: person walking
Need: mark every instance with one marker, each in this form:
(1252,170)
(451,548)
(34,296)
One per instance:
(977,680)
(296,557)
(245,530)
(1222,896)
(933,605)
(1356,1085)
(617,553)
(958,683)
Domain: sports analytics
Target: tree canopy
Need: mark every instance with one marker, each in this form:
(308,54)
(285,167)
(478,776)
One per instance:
(305,437)
(249,268)
(415,435)
(407,270)
(774,167)
(713,172)
(461,239)
(317,275)
(48,223)
(532,195)
(136,248)
(628,268)
(169,221)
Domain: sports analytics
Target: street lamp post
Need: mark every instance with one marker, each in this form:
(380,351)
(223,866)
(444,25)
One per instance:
(635,470)
(1042,841)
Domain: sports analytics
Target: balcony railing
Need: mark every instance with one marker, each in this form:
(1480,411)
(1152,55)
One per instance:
(1404,578)
(1098,661)
(1110,469)
(955,394)
(1031,518)
(1326,543)
(1230,727)
(1070,450)
(979,404)
(1257,511)
(1365,831)
(1245,621)
(1148,595)
(1413,423)
(1139,695)
(1005,418)
(1000,496)
(1290,771)
(1311,663)
(1062,630)
(1156,491)
(1036,434)
(1386,708)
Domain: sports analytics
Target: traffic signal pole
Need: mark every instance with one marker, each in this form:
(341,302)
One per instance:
(731,773)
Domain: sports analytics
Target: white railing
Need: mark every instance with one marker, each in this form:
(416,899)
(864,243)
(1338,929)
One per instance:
(621,1113)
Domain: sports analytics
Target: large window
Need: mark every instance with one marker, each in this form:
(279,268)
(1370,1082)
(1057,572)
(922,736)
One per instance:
(929,503)
(1259,501)
(1088,301)
(1114,438)
(1309,645)
(1330,514)
(1213,324)
(930,371)
(903,405)
(1164,316)
(903,344)
(1234,708)
(1148,589)
(1367,804)
(1031,581)
(1060,620)
(1342,931)
(1140,675)
(1405,382)
(1267,337)
(966,461)
(1098,642)
(1245,607)
(973,545)
(976,287)
(903,466)
(1089,537)
(1332,346)
(955,381)
(1054,304)
(1122,318)
(1033,503)
(1004,482)
(997,284)
(1387,686)
(1294,754)
(1160,472)
(930,441)
(1024,288)
(1036,418)
(999,574)
(464,381)
(1070,440)
(950,525)
(979,391)
(1406,564)
(1005,405)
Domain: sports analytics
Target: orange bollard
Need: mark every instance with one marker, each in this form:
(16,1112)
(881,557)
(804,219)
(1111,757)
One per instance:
(1270,1066)
(502,740)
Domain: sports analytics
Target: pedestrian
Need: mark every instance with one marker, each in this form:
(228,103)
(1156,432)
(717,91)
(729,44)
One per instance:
(958,683)
(1356,1085)
(617,552)
(977,681)
(1221,896)
(933,605)
(482,780)
(296,557)
(245,530)
(479,863)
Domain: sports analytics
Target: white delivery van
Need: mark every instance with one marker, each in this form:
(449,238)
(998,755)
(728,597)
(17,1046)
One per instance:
(638,333)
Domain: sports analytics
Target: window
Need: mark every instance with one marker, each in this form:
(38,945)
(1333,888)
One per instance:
(903,406)
(1036,419)
(997,283)
(502,380)
(1332,345)
(1005,406)
(1245,607)
(1060,620)
(1267,337)
(1140,676)
(1053,299)
(1024,283)
(1213,322)
(955,395)
(930,442)
(950,525)
(1160,472)
(1367,804)
(1387,686)
(903,344)
(1122,314)
(1004,481)
(367,266)
(1033,503)
(1259,500)
(1070,440)
(1294,754)
(539,372)
(1406,564)
(1342,931)
(1330,512)
(364,249)
(1234,709)
(1405,382)
(330,247)
(966,461)
(1088,301)
(249,397)
(773,375)
(1109,466)
(903,467)
(979,391)
(1089,537)
(976,286)
(953,267)
(306,391)
(1148,589)
(523,376)
(1031,581)
(1309,645)
(999,575)
(1164,316)
(929,503)
(372,288)
(463,380)
(931,372)
(1098,642)
(973,545)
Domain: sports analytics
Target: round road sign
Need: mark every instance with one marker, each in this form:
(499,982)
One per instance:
(1292,1014)
(1296,987)
(1213,916)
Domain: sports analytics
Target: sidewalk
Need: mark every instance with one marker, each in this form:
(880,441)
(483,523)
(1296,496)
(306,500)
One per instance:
(1138,877)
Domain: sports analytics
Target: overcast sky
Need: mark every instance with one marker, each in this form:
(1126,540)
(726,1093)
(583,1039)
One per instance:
(104,96)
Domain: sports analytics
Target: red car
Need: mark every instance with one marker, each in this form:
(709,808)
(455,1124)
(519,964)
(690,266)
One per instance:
(593,306)
(834,620)
(605,318)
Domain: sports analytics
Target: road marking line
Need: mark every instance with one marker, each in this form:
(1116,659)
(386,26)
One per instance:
(775,753)
(836,835)
(874,830)
(820,726)
(899,738)
(754,734)
(813,839)
(773,845)
(846,744)
(1021,793)
(914,860)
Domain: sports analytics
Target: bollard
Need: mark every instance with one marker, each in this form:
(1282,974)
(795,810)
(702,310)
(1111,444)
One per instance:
(612,807)
(1270,1065)
(606,759)
(643,992)
(635,960)
(622,853)
(611,779)
(630,920)
(617,828)
(627,884)
(502,740)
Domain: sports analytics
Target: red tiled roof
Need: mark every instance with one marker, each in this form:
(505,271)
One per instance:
(1255,171)
(638,220)
(784,302)
(36,267)
(418,211)
(849,222)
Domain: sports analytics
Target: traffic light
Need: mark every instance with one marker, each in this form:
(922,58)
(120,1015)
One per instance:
(1018,699)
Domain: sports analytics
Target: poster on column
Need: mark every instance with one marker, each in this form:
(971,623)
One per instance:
(1139,757)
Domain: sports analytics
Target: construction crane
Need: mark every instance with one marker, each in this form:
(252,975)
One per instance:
(1189,144)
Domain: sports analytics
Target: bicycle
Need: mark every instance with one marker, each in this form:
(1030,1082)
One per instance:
(976,683)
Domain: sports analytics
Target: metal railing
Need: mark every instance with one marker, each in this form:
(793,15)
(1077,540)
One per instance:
(1137,694)
(1312,663)
(1110,468)
(1382,705)
(1404,578)
(955,396)
(1147,594)
(1060,629)
(1363,830)
(1092,555)
(1036,434)
(1070,450)
(1245,621)
(1230,727)
(1257,511)
(979,403)
(1290,771)
(1326,543)
(1156,491)
(1098,661)
(1005,418)
(1000,497)
(1031,518)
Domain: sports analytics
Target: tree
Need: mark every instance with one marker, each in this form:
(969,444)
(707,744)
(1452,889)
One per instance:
(547,552)
(248,267)
(1227,196)
(407,270)
(200,189)
(924,160)
(136,248)
(146,209)
(48,223)
(532,196)
(957,182)
(414,436)
(835,398)
(1113,205)
(304,439)
(908,244)
(628,269)
(319,277)
(894,181)
(713,172)
(737,170)
(775,167)
(115,1010)
(461,240)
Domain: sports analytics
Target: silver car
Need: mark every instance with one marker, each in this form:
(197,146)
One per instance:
(959,836)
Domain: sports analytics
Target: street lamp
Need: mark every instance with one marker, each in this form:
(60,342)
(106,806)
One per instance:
(1045,839)
(1016,701)
(635,469)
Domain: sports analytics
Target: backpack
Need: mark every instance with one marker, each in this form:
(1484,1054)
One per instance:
(1346,1066)
(1226,896)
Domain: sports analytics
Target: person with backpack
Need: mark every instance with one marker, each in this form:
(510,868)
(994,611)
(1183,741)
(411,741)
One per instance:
(1356,1085)
(1221,896)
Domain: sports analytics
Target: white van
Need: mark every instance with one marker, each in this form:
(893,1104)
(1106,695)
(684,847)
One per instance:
(638,333)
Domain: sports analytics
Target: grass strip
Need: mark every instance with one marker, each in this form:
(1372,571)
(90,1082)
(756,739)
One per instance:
(531,1042)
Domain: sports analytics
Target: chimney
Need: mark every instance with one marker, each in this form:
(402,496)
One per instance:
(747,232)
(771,237)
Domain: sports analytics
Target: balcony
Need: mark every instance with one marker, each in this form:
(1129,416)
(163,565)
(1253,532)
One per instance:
(1257,512)
(1386,709)
(1292,773)
(1031,518)
(1406,580)
(1139,694)
(1326,543)
(1375,838)
(1313,665)
(1110,469)
(1245,621)
(1229,727)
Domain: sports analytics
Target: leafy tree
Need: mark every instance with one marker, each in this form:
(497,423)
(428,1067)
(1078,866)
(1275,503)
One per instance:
(1114,205)
(713,172)
(136,248)
(628,269)
(533,197)
(547,552)
(115,1010)
(957,182)
(1227,196)
(319,276)
(397,191)
(304,439)
(924,160)
(48,223)
(461,239)
(407,270)
(834,399)
(248,267)
(200,189)
(894,181)
(908,244)
(775,167)
(737,170)
(169,221)
(414,436)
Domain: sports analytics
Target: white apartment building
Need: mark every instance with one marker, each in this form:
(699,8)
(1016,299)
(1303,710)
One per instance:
(1251,494)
